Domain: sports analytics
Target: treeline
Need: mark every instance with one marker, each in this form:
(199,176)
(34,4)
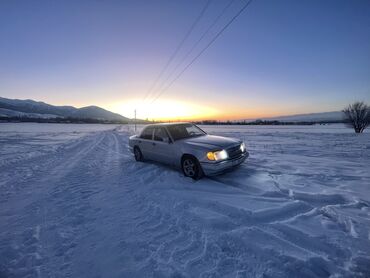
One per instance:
(262,122)
(67,120)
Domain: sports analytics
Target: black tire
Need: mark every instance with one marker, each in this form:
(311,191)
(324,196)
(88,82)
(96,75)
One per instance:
(138,154)
(191,167)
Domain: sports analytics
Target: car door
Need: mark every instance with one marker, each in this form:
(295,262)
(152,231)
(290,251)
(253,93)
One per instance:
(162,147)
(145,142)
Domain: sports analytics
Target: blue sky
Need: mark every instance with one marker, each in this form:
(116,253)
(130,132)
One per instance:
(278,57)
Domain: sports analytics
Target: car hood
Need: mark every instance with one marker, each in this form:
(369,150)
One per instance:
(212,141)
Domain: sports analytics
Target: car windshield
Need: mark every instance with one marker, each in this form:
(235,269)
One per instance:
(182,131)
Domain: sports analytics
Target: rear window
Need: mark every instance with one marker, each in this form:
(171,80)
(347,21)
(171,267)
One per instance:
(147,133)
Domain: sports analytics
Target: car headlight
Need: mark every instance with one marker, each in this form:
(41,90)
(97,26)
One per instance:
(242,147)
(219,155)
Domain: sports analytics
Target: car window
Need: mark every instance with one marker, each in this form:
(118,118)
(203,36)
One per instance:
(160,134)
(182,131)
(147,133)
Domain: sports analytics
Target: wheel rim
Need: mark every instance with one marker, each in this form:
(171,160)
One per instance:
(137,154)
(189,167)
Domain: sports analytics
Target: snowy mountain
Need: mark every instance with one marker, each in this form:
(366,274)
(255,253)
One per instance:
(31,106)
(13,113)
(96,112)
(312,117)
(37,109)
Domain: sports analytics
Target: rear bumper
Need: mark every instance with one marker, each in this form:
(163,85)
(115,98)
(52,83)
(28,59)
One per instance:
(215,168)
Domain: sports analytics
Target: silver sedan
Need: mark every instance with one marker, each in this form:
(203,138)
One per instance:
(186,146)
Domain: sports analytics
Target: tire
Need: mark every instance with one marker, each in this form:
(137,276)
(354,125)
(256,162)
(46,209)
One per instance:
(191,168)
(138,154)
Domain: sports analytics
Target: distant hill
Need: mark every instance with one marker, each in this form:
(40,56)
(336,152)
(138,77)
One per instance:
(95,112)
(37,109)
(312,117)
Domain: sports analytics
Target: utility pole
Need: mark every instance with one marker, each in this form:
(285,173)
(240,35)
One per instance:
(135,120)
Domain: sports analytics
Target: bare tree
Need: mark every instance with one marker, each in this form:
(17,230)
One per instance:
(358,116)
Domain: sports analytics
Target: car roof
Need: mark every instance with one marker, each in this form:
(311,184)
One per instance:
(167,124)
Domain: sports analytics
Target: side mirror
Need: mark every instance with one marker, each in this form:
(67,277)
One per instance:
(167,140)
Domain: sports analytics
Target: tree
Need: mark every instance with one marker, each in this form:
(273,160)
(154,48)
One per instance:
(358,116)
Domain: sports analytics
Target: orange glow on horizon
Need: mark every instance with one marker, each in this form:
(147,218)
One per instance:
(175,110)
(163,110)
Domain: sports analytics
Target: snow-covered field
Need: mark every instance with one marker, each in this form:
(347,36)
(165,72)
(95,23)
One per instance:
(73,203)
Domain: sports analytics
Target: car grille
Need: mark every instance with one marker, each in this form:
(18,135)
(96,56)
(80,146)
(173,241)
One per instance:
(234,152)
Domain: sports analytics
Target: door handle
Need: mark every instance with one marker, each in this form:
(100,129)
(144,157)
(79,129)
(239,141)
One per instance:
(154,144)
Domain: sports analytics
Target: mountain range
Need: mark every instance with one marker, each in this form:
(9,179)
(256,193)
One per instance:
(30,109)
(334,116)
(36,109)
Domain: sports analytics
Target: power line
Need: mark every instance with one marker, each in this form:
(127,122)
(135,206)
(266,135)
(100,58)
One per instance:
(195,45)
(204,49)
(177,49)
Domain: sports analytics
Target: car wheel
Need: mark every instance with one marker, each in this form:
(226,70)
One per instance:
(138,155)
(191,168)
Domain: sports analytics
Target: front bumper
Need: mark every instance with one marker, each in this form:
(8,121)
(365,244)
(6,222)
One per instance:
(215,168)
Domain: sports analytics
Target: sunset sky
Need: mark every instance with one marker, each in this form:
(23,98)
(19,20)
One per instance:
(277,58)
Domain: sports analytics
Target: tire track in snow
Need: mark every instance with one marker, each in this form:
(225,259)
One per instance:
(75,185)
(32,249)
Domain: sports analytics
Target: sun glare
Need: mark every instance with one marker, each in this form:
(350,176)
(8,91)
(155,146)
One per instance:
(164,110)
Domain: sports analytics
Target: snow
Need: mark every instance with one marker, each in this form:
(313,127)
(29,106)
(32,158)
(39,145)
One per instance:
(12,113)
(74,203)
